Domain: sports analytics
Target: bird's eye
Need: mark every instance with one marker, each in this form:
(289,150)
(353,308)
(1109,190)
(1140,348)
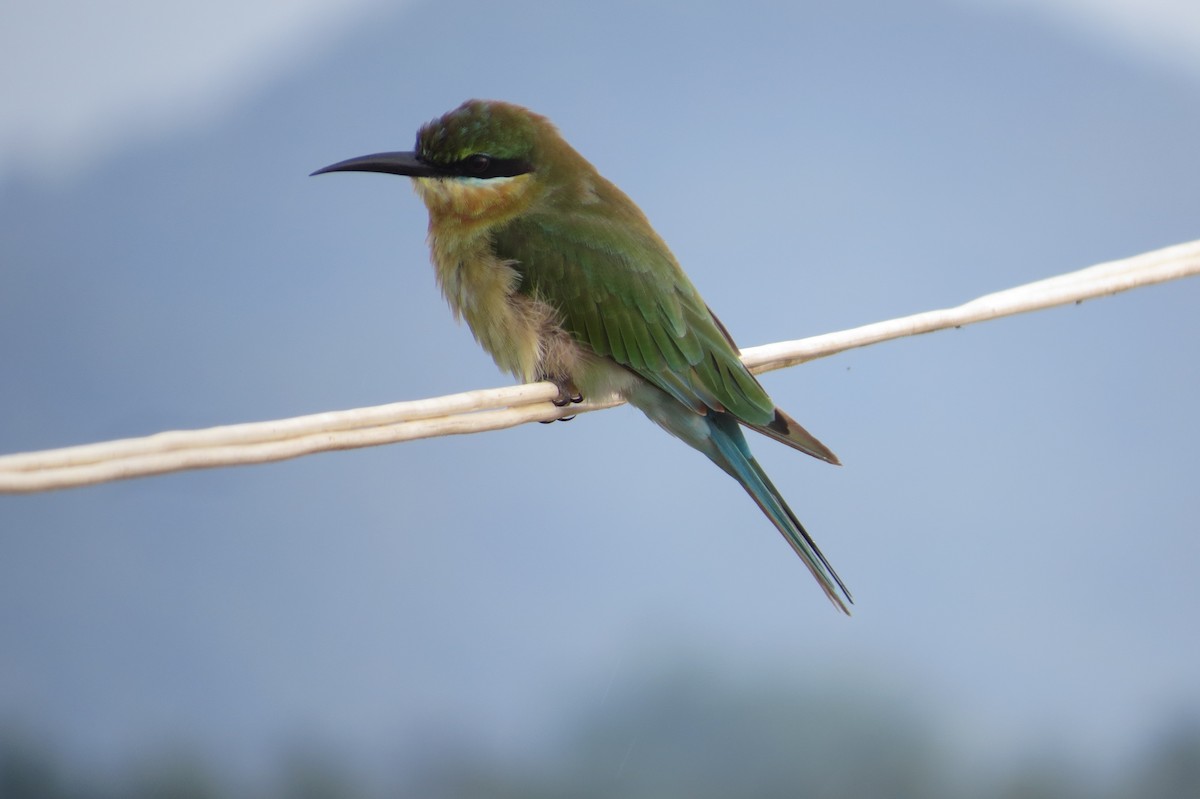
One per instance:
(485,167)
(478,164)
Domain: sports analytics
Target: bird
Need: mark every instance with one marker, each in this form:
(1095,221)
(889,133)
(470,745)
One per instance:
(560,277)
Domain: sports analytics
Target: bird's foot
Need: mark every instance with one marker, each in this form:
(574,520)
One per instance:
(567,395)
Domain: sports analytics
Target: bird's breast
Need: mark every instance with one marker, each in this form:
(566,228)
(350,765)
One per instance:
(482,289)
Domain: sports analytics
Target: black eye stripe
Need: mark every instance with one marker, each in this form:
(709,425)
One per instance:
(485,166)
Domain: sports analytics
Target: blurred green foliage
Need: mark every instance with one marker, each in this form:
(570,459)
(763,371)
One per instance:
(675,736)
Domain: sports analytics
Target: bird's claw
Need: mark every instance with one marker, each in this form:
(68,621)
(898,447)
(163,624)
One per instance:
(567,395)
(564,399)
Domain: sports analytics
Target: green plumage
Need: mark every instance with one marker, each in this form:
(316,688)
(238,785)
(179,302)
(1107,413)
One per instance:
(632,303)
(561,277)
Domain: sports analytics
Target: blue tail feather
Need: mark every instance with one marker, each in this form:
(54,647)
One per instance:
(719,436)
(739,463)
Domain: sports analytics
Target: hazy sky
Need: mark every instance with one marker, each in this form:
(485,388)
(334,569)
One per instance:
(1016,515)
(74,81)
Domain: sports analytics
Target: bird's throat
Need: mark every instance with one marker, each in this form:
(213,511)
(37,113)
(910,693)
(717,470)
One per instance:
(473,201)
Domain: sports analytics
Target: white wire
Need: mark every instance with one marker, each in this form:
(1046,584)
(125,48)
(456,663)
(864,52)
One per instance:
(494,409)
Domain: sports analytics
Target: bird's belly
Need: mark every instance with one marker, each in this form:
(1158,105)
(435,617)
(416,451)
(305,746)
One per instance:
(482,289)
(514,331)
(524,335)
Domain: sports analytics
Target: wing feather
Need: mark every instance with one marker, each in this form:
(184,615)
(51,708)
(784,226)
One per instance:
(627,299)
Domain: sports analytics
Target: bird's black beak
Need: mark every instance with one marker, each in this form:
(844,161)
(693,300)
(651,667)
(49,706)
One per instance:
(392,163)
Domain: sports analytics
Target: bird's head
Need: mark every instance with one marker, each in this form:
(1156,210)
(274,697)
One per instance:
(479,161)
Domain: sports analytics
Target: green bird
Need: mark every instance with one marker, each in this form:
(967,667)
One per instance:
(561,278)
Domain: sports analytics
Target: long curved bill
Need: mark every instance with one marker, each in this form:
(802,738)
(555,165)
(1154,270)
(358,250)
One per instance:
(392,163)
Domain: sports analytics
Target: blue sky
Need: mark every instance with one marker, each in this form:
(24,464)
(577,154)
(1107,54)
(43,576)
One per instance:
(1016,513)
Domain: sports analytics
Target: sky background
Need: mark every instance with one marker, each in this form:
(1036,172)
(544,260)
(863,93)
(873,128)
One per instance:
(1016,516)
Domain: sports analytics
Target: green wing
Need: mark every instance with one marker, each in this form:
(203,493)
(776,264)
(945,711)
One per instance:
(622,294)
